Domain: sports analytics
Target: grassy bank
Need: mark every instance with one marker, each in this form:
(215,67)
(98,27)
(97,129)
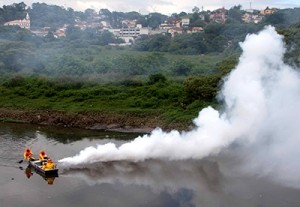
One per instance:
(156,100)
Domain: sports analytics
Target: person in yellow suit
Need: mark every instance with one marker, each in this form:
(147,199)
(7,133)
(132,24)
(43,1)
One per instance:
(49,165)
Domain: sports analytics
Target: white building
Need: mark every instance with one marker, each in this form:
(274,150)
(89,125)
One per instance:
(23,23)
(252,18)
(129,34)
(185,21)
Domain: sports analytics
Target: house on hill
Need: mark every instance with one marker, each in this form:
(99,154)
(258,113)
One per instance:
(23,23)
(219,15)
(267,11)
(197,29)
(185,21)
(252,18)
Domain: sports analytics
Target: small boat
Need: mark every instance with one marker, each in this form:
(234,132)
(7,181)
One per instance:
(37,166)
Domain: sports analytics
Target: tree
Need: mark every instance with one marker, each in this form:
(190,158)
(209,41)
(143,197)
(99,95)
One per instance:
(201,87)
(195,10)
(106,37)
(142,43)
(157,78)
(13,12)
(43,15)
(275,18)
(159,42)
(73,32)
(235,13)
(105,12)
(195,16)
(155,19)
(133,15)
(20,6)
(49,37)
(181,67)
(227,65)
(214,29)
(182,14)
(174,16)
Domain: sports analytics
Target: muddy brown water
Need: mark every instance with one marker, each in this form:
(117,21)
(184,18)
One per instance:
(208,182)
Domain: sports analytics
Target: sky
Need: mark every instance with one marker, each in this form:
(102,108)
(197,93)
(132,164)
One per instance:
(162,6)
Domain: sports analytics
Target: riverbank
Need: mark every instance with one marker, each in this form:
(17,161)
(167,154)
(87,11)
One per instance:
(90,120)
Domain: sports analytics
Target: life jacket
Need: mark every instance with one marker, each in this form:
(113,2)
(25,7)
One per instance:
(27,154)
(43,156)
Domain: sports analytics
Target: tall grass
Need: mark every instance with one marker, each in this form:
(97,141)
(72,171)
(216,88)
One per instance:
(163,99)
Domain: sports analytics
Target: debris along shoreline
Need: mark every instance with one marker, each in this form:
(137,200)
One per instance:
(87,120)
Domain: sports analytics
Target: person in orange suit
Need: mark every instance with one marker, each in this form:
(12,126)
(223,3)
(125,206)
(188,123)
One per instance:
(28,155)
(43,156)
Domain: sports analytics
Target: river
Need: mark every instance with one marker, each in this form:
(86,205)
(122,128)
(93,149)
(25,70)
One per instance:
(212,181)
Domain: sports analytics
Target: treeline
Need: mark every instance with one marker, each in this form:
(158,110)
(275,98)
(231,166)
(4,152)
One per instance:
(216,38)
(73,58)
(87,54)
(12,12)
(52,16)
(41,14)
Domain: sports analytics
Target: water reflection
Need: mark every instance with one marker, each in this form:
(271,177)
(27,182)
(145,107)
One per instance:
(154,173)
(202,179)
(17,131)
(207,182)
(29,172)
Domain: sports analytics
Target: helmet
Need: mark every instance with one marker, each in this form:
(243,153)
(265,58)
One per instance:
(42,152)
(27,150)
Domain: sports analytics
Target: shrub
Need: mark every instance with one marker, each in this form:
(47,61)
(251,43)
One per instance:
(155,78)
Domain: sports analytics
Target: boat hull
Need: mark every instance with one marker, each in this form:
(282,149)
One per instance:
(37,166)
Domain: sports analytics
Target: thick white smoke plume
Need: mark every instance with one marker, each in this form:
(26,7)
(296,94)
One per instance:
(261,96)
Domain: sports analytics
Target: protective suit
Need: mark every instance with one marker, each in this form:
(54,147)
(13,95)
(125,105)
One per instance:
(49,165)
(43,155)
(28,154)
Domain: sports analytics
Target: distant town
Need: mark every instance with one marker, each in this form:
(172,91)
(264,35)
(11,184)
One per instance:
(129,29)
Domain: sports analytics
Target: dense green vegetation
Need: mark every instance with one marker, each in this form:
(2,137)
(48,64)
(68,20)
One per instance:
(158,96)
(292,38)
(97,63)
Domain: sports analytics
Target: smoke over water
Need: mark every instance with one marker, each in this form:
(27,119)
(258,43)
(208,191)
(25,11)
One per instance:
(261,97)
